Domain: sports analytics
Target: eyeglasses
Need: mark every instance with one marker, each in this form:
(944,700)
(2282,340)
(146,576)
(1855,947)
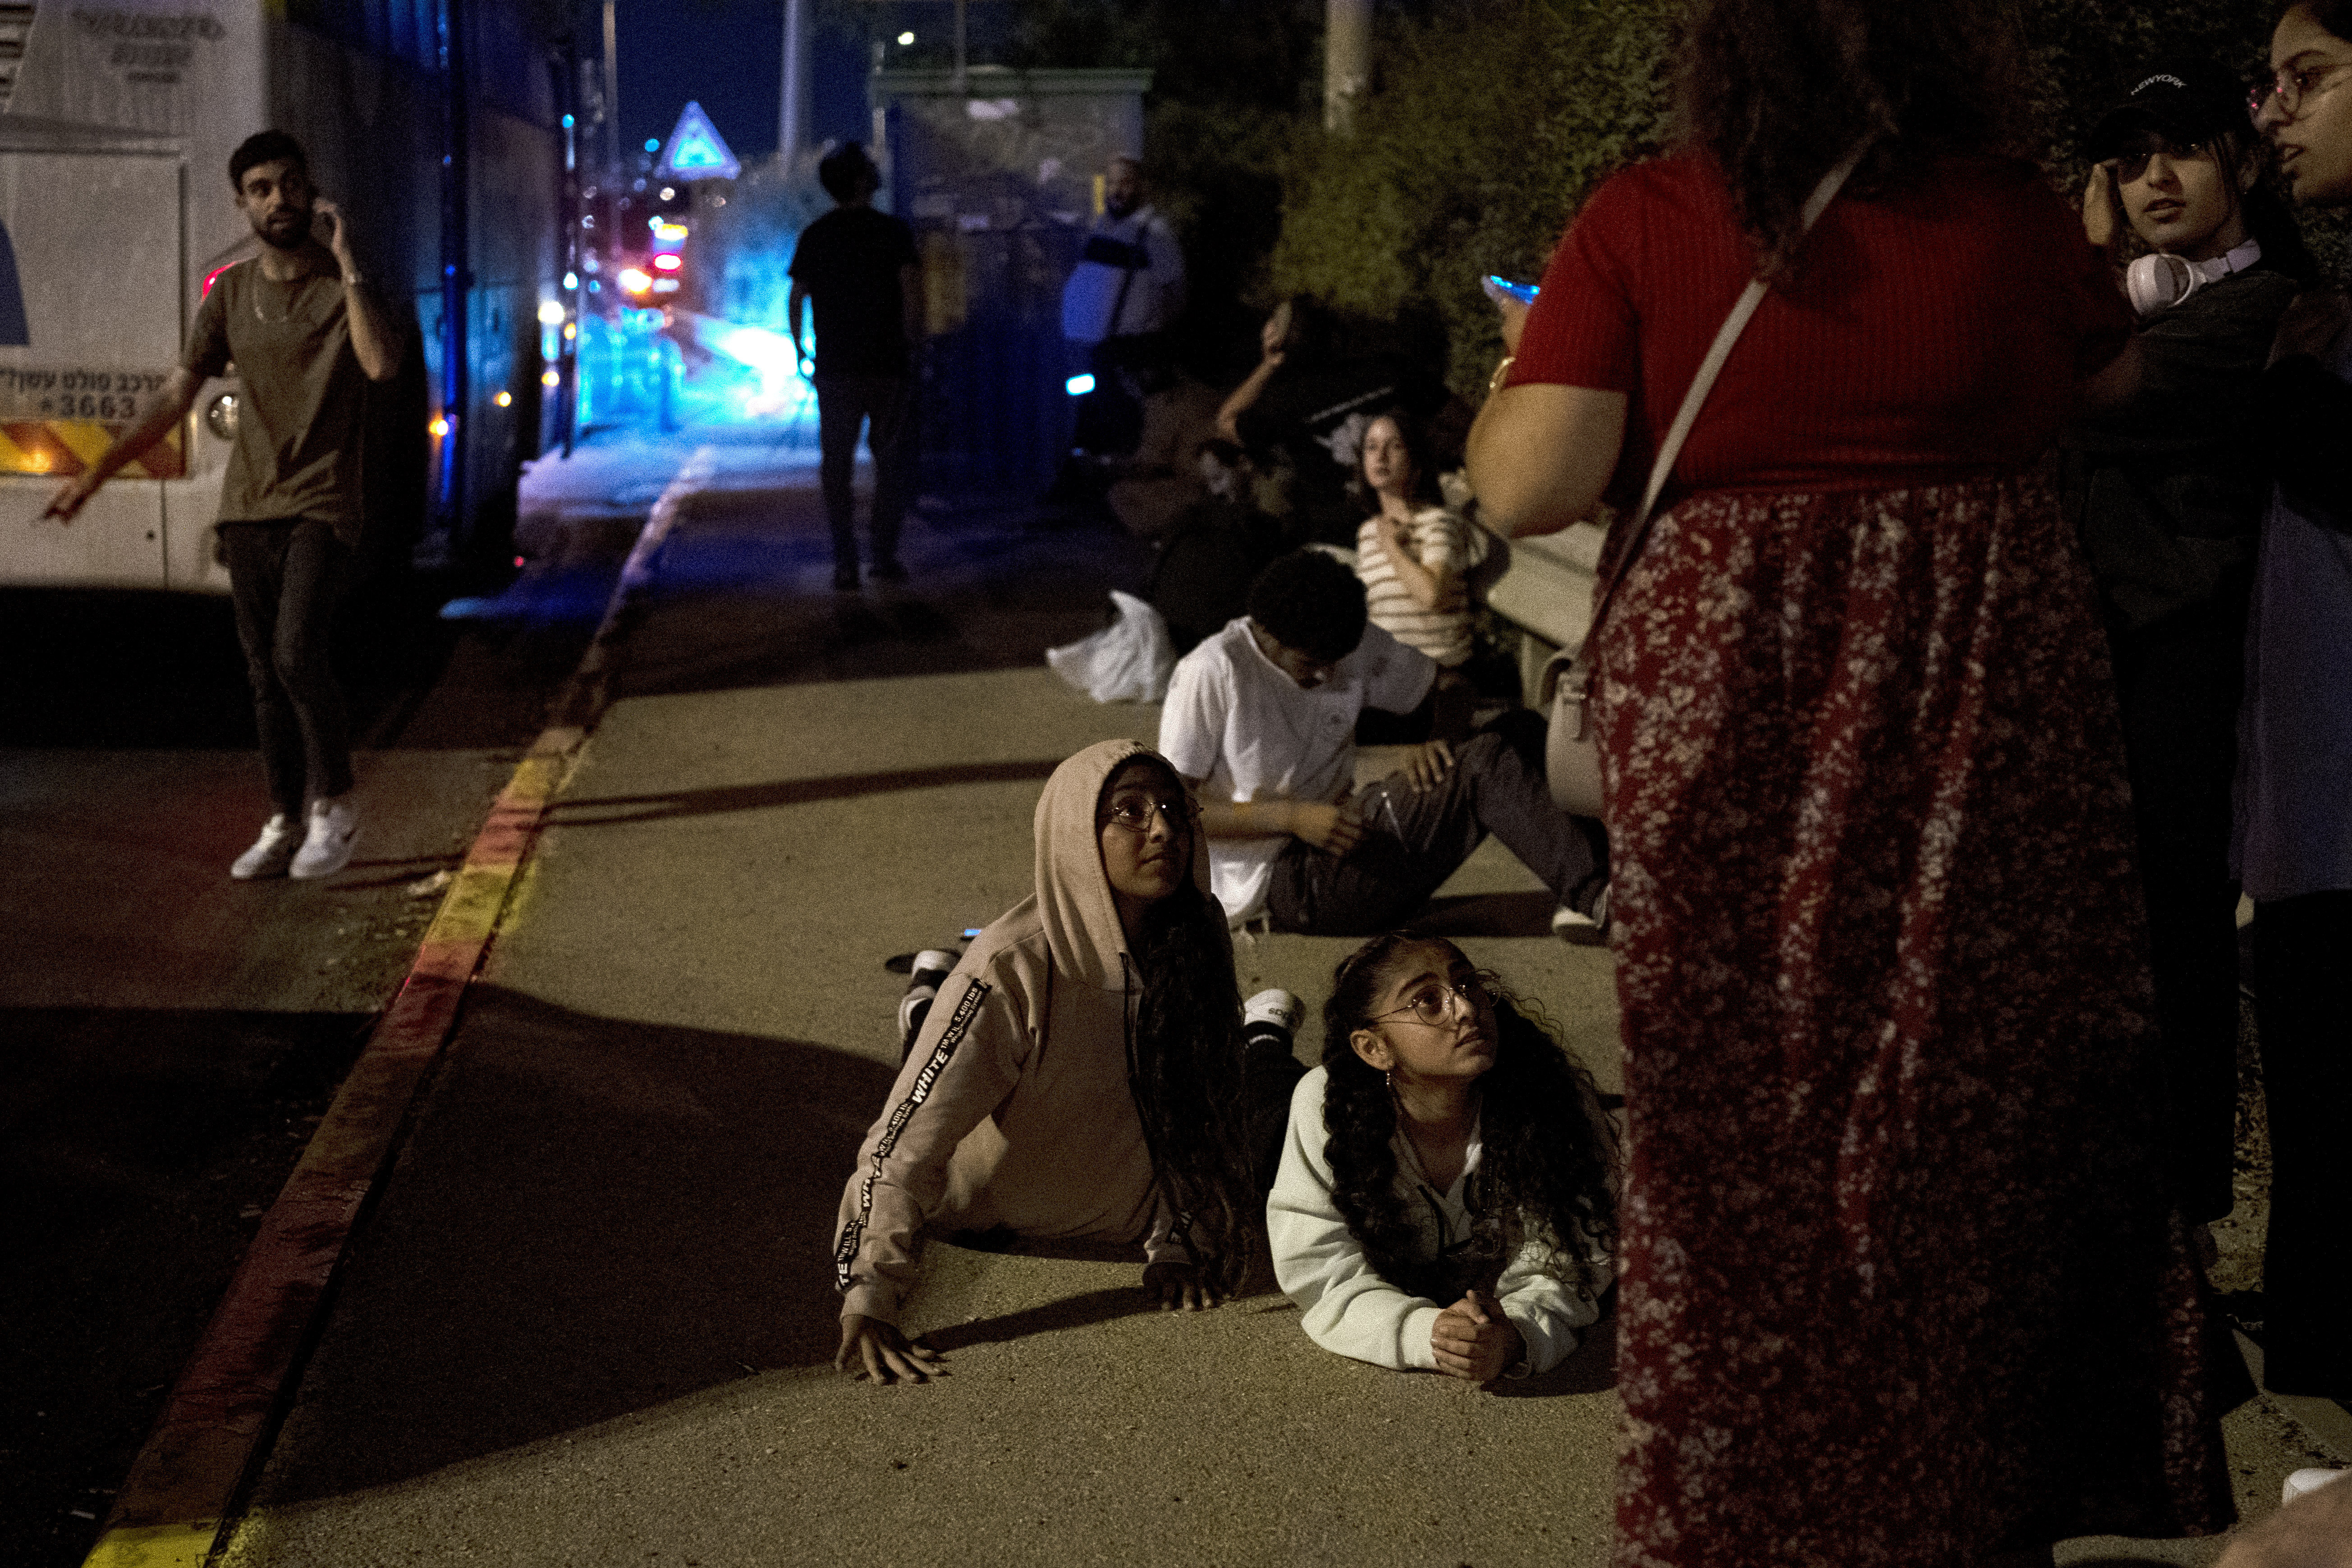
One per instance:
(2132,167)
(2288,89)
(1135,813)
(1432,1004)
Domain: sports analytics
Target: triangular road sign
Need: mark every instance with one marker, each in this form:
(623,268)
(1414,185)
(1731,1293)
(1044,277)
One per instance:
(696,151)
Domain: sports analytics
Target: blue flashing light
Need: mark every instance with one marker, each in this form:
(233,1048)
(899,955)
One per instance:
(653,143)
(569,122)
(1080,384)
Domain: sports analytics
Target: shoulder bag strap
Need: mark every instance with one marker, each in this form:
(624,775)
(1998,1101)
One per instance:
(1638,527)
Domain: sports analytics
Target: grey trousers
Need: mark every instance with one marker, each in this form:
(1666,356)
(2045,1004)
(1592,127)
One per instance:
(1416,839)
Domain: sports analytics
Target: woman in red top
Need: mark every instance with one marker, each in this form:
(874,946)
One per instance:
(1897,1284)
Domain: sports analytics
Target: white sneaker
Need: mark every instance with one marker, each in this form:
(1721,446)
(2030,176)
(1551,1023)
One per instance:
(1273,1009)
(933,965)
(272,852)
(1579,929)
(326,847)
(2307,1482)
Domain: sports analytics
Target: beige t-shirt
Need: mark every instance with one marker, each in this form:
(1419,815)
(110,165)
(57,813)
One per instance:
(297,452)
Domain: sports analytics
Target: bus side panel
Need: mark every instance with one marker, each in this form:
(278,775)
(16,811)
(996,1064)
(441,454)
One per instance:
(191,67)
(373,126)
(89,329)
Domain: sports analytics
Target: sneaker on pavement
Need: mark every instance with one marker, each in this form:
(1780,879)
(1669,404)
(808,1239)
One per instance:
(2304,1482)
(1272,1014)
(1579,929)
(933,966)
(272,852)
(326,847)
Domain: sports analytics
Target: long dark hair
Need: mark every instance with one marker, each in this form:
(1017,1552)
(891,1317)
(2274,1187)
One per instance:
(1547,1170)
(1184,1067)
(1418,450)
(1775,92)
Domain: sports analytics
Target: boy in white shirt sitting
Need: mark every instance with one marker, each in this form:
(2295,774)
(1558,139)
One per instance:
(1261,721)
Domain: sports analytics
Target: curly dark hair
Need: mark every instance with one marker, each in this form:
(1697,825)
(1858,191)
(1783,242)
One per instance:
(1549,1159)
(1311,601)
(1184,1057)
(1775,92)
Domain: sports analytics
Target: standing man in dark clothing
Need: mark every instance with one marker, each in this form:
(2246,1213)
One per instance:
(306,333)
(858,264)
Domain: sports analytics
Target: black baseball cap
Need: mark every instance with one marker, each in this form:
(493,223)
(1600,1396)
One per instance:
(2181,100)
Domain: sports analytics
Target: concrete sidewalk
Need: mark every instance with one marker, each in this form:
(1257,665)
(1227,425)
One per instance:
(592,1319)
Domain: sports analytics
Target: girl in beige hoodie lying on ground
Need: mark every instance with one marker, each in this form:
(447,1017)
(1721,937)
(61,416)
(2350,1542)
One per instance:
(1081,1075)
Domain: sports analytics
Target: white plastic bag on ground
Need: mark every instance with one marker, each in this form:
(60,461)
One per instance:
(1126,661)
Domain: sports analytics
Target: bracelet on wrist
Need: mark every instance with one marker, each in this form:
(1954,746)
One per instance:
(1495,381)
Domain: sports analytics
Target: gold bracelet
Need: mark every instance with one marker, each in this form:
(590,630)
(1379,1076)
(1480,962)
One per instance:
(1495,381)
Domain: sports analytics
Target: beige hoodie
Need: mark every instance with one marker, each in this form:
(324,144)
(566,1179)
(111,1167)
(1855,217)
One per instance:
(1013,1107)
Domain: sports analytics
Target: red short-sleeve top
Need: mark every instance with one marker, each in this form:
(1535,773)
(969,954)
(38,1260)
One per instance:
(1932,332)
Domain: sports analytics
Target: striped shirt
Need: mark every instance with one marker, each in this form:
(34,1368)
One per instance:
(1439,541)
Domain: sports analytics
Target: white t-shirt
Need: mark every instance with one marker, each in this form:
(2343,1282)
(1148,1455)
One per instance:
(1254,733)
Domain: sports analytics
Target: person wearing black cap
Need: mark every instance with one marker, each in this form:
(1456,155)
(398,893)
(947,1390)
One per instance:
(2163,474)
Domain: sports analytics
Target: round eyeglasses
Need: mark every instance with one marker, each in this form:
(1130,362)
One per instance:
(1434,1005)
(2288,89)
(1135,812)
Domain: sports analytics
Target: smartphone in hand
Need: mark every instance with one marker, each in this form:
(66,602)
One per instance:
(1498,288)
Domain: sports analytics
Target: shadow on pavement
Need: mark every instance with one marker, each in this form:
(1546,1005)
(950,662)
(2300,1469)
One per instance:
(1591,1369)
(137,1148)
(741,597)
(607,811)
(593,1217)
(1072,1312)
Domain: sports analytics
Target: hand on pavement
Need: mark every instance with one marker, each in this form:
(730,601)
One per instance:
(1427,764)
(1176,1286)
(1336,828)
(881,1353)
(1473,1341)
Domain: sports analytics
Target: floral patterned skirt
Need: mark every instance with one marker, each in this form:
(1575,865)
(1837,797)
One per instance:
(1898,1284)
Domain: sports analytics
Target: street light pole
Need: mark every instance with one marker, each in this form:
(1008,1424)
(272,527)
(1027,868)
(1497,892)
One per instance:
(612,91)
(1347,62)
(791,113)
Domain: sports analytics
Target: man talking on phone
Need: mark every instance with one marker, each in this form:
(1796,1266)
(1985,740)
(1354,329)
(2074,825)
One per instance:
(305,332)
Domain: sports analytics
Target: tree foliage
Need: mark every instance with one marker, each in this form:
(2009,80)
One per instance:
(1493,118)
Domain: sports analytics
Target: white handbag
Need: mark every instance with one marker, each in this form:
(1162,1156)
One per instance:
(1571,757)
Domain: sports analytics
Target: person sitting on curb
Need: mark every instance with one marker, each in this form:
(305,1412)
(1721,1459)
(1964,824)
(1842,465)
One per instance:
(1261,718)
(1081,1075)
(1446,1151)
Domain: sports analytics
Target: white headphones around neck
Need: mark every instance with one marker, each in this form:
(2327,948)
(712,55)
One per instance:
(2158,281)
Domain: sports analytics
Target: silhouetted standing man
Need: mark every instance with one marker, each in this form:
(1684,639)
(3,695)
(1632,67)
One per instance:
(858,266)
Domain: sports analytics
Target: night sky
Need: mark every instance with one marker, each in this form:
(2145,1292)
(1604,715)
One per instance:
(727,55)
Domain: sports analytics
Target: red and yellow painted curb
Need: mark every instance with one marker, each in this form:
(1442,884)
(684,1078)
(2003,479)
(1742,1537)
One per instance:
(187,1485)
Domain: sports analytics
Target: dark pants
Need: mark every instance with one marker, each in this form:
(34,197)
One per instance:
(2178,682)
(2302,1007)
(845,403)
(284,581)
(1414,839)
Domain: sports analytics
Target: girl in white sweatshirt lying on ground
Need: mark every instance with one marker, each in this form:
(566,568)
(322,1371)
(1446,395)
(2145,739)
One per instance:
(1445,1196)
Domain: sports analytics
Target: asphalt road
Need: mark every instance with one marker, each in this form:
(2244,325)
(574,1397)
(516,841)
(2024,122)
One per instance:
(171,1036)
